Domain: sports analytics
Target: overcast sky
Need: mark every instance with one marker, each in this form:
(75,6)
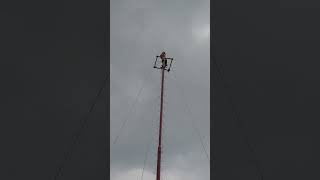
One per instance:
(140,30)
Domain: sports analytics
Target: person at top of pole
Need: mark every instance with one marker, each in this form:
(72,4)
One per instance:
(164,59)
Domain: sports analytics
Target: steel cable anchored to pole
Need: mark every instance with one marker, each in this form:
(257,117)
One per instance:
(131,108)
(79,132)
(239,123)
(197,131)
(146,153)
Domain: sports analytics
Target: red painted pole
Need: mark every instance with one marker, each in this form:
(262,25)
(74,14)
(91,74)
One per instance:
(160,128)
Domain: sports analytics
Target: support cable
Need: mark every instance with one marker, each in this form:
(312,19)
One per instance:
(240,123)
(79,132)
(130,109)
(192,120)
(146,153)
(144,162)
(150,141)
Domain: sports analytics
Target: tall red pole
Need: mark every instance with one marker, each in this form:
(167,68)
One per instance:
(160,128)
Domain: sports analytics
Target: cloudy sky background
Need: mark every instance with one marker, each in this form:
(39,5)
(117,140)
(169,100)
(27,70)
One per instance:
(140,30)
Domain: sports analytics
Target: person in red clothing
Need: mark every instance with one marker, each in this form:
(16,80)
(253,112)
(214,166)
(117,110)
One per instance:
(164,59)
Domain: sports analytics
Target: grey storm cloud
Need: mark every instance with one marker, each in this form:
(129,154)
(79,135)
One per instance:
(140,30)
